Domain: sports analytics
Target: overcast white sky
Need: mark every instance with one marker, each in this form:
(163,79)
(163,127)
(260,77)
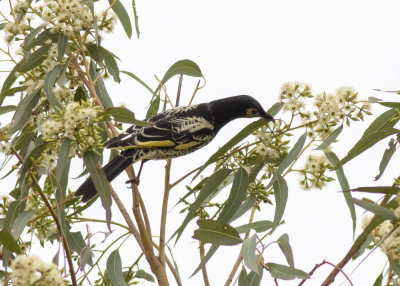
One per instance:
(252,47)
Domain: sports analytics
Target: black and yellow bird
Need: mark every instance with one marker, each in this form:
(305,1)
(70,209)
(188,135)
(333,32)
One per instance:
(173,133)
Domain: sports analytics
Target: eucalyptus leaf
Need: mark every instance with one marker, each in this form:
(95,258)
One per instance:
(216,232)
(8,241)
(284,245)
(387,155)
(376,209)
(33,60)
(24,111)
(135,77)
(122,15)
(284,272)
(281,196)
(100,182)
(258,226)
(248,253)
(114,269)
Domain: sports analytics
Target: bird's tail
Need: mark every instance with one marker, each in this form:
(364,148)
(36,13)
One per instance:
(112,170)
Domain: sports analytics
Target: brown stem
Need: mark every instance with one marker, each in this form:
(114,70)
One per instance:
(167,188)
(203,268)
(234,270)
(319,265)
(55,218)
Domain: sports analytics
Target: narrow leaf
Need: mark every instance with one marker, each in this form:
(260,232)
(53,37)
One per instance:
(24,111)
(48,85)
(154,106)
(33,60)
(331,138)
(138,80)
(7,84)
(366,142)
(249,253)
(62,44)
(252,279)
(122,15)
(136,18)
(386,120)
(100,182)
(387,155)
(39,40)
(14,90)
(114,269)
(243,208)
(110,63)
(377,190)
(284,245)
(216,232)
(8,241)
(376,209)
(281,196)
(284,272)
(29,39)
(20,222)
(7,108)
(236,196)
(123,114)
(379,280)
(290,157)
(144,275)
(210,185)
(258,226)
(344,184)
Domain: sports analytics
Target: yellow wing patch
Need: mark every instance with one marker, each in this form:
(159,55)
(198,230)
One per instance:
(148,144)
(187,145)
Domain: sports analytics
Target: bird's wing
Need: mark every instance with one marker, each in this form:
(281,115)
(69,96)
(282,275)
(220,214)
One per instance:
(177,133)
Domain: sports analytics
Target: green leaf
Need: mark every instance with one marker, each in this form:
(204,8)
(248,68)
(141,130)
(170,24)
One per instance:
(154,106)
(39,40)
(379,280)
(185,67)
(7,108)
(14,90)
(249,129)
(138,80)
(20,222)
(284,245)
(390,104)
(387,155)
(29,39)
(210,185)
(48,85)
(114,269)
(331,138)
(7,84)
(123,114)
(94,53)
(100,182)
(284,272)
(216,232)
(344,184)
(62,44)
(236,196)
(8,241)
(75,241)
(33,60)
(386,120)
(62,172)
(275,109)
(24,111)
(377,190)
(122,15)
(100,87)
(290,157)
(258,226)
(248,253)
(252,279)
(366,142)
(136,18)
(281,196)
(213,248)
(243,208)
(141,274)
(242,276)
(110,63)
(376,209)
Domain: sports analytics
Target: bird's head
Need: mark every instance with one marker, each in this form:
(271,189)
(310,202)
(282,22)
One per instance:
(229,108)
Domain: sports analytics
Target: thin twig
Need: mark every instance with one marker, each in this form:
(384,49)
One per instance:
(203,268)
(164,209)
(319,265)
(54,216)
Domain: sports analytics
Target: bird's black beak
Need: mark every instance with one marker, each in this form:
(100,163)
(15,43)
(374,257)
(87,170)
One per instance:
(267,116)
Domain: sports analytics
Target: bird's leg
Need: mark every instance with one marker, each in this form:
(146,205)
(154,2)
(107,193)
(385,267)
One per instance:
(136,180)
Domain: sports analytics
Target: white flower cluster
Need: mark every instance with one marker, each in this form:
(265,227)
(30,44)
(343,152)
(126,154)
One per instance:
(387,234)
(314,172)
(263,135)
(330,109)
(31,270)
(74,114)
(67,16)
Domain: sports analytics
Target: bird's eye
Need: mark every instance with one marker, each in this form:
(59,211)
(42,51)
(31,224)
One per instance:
(252,112)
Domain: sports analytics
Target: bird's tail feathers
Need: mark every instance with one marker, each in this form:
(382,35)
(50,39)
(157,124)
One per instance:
(112,170)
